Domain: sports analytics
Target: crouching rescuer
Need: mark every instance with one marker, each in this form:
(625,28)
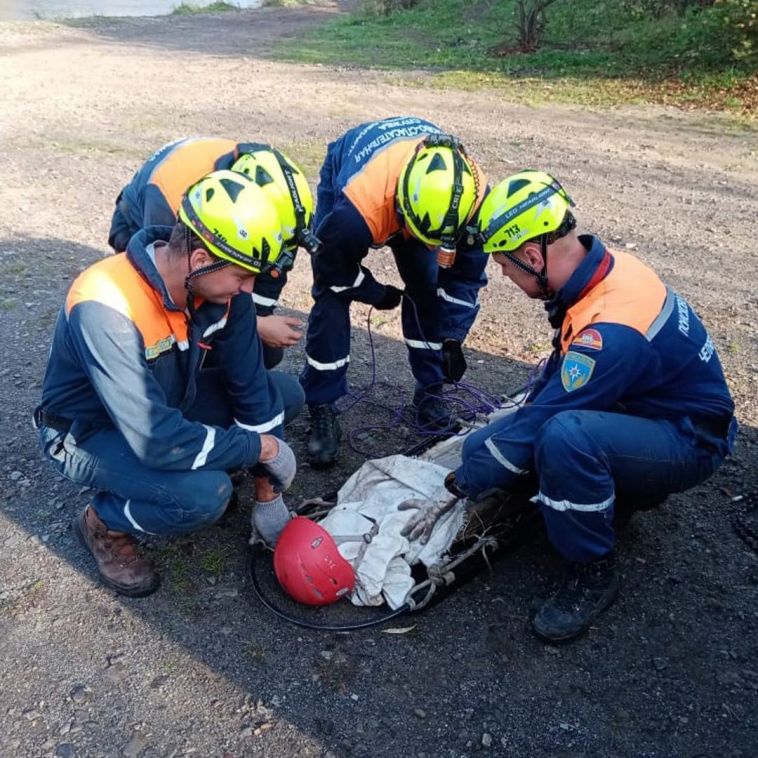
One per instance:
(632,405)
(127,407)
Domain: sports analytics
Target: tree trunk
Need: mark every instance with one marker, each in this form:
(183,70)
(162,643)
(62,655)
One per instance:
(531,23)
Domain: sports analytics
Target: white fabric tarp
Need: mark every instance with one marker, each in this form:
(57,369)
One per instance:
(371,497)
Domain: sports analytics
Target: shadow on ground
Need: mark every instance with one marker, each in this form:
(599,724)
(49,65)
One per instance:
(467,677)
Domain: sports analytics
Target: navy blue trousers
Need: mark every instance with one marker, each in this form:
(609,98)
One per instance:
(588,463)
(327,344)
(134,498)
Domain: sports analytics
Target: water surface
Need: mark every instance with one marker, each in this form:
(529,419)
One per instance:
(15,10)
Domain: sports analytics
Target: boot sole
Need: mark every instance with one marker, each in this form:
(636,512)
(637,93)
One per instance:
(120,588)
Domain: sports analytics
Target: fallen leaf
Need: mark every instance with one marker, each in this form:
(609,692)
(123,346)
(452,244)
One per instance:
(399,629)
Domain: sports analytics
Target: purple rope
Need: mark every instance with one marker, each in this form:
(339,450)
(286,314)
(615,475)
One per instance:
(465,400)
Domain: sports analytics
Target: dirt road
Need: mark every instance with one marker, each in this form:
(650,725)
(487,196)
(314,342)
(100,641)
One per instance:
(199,668)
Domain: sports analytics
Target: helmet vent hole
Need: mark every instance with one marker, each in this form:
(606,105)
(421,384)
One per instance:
(516,185)
(232,188)
(436,164)
(262,177)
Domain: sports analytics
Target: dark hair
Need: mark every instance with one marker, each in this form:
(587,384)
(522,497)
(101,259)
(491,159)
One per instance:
(183,237)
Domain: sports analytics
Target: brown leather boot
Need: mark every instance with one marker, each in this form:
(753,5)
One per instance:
(116,557)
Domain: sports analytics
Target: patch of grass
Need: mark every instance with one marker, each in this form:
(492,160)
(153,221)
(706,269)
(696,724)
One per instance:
(593,53)
(189,9)
(174,562)
(253,652)
(213,562)
(13,267)
(8,303)
(538,347)
(290,3)
(21,599)
(180,573)
(308,154)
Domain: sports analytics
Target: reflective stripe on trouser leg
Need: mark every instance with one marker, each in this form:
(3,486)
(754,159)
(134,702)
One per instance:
(190,501)
(585,458)
(133,497)
(576,490)
(421,325)
(327,348)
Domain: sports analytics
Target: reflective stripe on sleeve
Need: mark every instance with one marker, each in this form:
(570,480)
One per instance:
(266,302)
(422,345)
(262,428)
(358,279)
(210,441)
(327,366)
(660,320)
(567,505)
(215,327)
(450,299)
(502,460)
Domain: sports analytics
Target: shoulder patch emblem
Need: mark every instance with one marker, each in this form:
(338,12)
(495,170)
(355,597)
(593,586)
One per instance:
(590,338)
(160,347)
(576,370)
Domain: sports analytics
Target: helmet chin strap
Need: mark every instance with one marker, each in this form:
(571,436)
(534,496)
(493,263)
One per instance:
(192,275)
(541,276)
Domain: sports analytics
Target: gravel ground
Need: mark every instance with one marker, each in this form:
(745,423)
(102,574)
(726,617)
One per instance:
(200,668)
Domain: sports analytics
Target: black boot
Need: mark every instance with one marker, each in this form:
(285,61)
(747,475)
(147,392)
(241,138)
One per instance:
(324,442)
(432,411)
(586,591)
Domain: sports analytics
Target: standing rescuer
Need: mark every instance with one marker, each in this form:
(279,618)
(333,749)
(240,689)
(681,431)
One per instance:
(632,406)
(126,408)
(153,195)
(403,183)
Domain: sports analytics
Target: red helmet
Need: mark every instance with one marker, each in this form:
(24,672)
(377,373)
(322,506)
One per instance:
(308,565)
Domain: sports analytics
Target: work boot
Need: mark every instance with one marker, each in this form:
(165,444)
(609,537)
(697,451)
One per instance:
(324,442)
(586,591)
(432,411)
(626,507)
(116,557)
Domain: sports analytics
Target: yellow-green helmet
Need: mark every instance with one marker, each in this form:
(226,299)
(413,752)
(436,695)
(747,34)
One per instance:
(525,206)
(235,219)
(283,181)
(437,191)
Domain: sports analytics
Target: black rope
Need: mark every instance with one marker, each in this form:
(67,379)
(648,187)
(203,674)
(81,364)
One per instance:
(275,609)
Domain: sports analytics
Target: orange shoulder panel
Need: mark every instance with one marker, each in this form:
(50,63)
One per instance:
(373,189)
(115,283)
(631,295)
(187,163)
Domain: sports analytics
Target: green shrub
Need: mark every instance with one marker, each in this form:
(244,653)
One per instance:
(721,36)
(187,9)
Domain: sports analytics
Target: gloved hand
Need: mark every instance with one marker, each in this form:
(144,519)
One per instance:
(391,298)
(453,361)
(421,525)
(282,466)
(269,518)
